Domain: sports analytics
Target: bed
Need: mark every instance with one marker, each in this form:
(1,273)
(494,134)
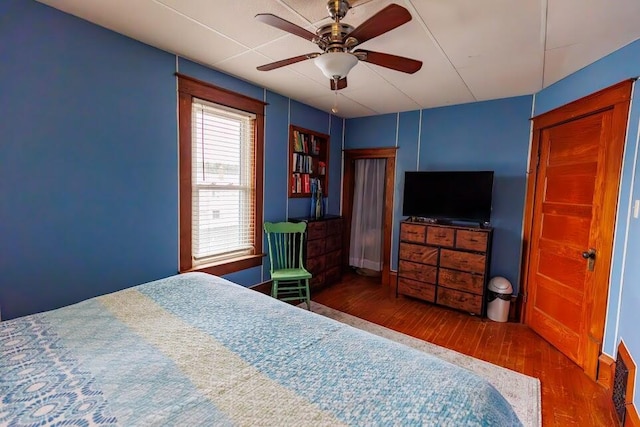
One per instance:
(196,349)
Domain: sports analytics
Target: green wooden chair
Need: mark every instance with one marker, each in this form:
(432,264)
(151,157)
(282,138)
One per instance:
(290,279)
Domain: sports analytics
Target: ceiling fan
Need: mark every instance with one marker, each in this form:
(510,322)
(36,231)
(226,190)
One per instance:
(337,41)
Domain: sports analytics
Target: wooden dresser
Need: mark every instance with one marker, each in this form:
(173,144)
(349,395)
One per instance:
(445,264)
(323,249)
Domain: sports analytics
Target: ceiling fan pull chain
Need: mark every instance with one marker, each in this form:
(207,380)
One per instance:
(334,109)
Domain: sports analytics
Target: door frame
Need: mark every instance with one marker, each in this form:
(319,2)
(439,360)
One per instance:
(617,99)
(350,156)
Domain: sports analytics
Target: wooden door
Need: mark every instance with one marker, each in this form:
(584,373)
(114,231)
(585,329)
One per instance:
(574,207)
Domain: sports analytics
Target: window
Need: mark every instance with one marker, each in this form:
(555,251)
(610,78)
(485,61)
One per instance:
(221,154)
(222,144)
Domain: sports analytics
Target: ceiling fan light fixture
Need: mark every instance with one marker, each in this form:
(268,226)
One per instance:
(335,65)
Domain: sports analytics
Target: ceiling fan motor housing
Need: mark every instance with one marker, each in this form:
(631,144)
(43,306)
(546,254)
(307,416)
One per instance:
(332,35)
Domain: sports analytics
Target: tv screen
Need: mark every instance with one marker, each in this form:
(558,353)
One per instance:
(450,195)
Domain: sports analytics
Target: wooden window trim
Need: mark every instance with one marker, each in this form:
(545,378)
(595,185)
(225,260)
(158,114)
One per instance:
(189,88)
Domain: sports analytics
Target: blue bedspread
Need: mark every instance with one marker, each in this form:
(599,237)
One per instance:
(195,349)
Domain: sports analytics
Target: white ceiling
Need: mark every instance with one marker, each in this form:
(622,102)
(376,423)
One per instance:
(471,50)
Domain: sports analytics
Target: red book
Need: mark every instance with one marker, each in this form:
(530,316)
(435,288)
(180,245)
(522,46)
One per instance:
(307,184)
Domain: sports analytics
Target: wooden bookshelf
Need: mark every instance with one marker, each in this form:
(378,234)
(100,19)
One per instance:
(308,161)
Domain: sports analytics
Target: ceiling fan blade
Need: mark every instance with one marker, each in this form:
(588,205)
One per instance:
(342,83)
(283,62)
(387,19)
(284,25)
(398,63)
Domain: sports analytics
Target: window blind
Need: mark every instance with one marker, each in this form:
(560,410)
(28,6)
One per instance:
(222,181)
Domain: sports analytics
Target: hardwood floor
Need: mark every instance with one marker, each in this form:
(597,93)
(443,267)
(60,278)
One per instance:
(569,397)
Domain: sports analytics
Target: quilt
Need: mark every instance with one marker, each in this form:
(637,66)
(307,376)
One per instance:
(196,349)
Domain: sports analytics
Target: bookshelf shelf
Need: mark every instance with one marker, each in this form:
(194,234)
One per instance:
(308,161)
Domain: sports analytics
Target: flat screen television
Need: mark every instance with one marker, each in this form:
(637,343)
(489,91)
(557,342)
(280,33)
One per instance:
(448,195)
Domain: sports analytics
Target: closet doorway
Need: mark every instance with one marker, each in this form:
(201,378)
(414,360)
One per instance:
(349,199)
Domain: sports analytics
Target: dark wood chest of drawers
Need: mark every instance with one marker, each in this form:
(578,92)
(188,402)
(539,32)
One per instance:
(445,264)
(323,250)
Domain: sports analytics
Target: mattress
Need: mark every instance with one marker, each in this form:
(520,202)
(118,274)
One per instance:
(196,349)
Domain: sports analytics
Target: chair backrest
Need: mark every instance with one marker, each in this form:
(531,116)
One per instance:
(285,241)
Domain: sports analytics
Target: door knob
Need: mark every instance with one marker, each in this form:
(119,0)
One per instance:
(591,256)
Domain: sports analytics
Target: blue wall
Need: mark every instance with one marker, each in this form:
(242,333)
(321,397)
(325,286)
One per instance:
(89,159)
(628,298)
(491,135)
(406,160)
(623,315)
(336,130)
(371,132)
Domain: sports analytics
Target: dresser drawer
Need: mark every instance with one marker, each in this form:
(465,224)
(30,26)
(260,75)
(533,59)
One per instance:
(333,259)
(316,264)
(413,270)
(333,242)
(316,230)
(412,232)
(334,226)
(460,300)
(416,289)
(419,253)
(462,260)
(472,240)
(315,248)
(462,281)
(440,236)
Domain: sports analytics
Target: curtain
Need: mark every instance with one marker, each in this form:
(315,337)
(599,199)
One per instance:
(366,219)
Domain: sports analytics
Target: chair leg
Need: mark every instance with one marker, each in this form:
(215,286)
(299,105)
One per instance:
(306,285)
(274,289)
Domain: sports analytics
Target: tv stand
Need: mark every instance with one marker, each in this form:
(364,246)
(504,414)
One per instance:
(445,264)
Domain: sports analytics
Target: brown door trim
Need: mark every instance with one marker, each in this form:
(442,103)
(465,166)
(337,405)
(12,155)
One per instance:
(347,200)
(616,98)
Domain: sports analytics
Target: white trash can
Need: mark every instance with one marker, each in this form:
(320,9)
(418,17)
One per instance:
(499,299)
